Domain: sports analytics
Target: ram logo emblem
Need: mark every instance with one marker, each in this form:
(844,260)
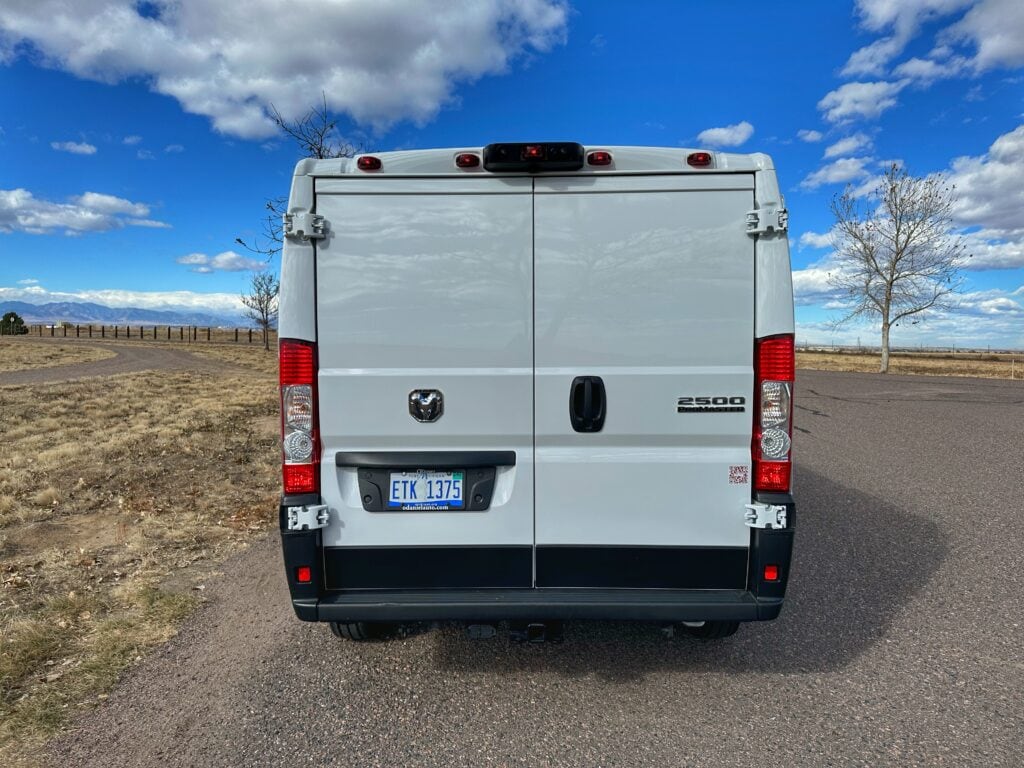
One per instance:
(426,404)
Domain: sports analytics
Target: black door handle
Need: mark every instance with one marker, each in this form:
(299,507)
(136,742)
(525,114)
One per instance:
(587,404)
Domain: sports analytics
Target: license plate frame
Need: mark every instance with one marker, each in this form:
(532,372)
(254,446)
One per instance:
(479,483)
(426,490)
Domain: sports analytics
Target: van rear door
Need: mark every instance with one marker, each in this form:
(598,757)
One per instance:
(426,285)
(644,309)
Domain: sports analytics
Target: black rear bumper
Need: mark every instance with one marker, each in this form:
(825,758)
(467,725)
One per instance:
(550,604)
(398,584)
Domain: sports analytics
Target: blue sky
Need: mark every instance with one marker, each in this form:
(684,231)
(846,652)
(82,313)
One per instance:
(135,148)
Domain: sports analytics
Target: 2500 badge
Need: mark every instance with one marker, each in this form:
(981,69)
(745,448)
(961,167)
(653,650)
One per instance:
(712,404)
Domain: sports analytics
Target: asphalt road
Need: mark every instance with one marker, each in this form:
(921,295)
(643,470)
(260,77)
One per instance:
(901,642)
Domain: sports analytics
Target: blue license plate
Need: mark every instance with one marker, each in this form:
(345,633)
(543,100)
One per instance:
(426,490)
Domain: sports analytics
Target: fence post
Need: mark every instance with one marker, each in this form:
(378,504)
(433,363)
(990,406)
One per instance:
(116,328)
(236,335)
(103,331)
(40,331)
(207,333)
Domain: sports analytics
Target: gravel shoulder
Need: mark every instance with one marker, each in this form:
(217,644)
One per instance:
(899,643)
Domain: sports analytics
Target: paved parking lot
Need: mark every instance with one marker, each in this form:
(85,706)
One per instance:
(900,643)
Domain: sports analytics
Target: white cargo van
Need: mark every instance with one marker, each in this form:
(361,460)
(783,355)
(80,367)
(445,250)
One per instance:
(536,382)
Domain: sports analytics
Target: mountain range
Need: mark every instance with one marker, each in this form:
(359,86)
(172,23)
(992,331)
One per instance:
(84,313)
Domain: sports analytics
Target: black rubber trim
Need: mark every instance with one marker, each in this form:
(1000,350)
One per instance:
(642,567)
(495,605)
(424,459)
(417,568)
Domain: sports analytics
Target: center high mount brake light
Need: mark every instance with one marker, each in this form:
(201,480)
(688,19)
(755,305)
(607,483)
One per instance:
(534,157)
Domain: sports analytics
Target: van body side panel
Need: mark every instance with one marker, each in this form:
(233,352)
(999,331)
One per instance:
(427,287)
(647,283)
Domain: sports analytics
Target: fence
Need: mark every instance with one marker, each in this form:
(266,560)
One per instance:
(186,334)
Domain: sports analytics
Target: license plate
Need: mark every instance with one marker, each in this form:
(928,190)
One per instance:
(425,490)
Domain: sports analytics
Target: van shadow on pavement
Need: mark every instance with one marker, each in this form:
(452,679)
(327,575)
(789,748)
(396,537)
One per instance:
(857,562)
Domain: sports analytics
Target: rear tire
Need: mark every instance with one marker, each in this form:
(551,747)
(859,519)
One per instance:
(363,631)
(712,630)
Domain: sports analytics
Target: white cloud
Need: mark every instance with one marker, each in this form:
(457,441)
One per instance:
(811,137)
(21,211)
(838,172)
(727,136)
(903,19)
(853,101)
(221,303)
(131,140)
(28,281)
(101,203)
(849,145)
(816,240)
(377,62)
(74,147)
(995,30)
(228,261)
(144,154)
(926,71)
(989,190)
(174,148)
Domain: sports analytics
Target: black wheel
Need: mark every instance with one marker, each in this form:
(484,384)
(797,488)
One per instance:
(712,630)
(361,631)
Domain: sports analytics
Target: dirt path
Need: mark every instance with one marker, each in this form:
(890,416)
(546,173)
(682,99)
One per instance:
(127,359)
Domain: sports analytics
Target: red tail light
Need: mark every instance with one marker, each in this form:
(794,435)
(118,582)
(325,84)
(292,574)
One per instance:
(368,163)
(699,159)
(774,374)
(599,158)
(467,160)
(300,440)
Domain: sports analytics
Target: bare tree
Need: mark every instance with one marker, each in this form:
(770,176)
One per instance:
(896,255)
(316,133)
(261,303)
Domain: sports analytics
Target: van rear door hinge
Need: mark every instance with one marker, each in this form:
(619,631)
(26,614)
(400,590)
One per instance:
(304,226)
(765,516)
(307,518)
(770,218)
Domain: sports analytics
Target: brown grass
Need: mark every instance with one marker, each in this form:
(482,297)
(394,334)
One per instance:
(21,353)
(107,487)
(992,366)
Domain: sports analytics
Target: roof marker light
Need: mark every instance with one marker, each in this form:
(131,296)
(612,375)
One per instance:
(699,159)
(467,160)
(599,158)
(369,163)
(533,152)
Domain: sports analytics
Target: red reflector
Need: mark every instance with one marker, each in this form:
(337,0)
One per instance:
(300,478)
(775,358)
(368,163)
(297,362)
(303,574)
(533,152)
(599,158)
(467,160)
(771,475)
(771,573)
(699,159)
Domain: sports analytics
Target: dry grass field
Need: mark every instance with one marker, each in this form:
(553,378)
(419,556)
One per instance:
(118,497)
(982,365)
(19,354)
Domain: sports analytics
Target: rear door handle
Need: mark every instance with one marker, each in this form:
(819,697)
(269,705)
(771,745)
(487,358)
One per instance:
(587,404)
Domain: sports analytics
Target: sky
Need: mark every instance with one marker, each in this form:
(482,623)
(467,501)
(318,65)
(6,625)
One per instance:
(136,146)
